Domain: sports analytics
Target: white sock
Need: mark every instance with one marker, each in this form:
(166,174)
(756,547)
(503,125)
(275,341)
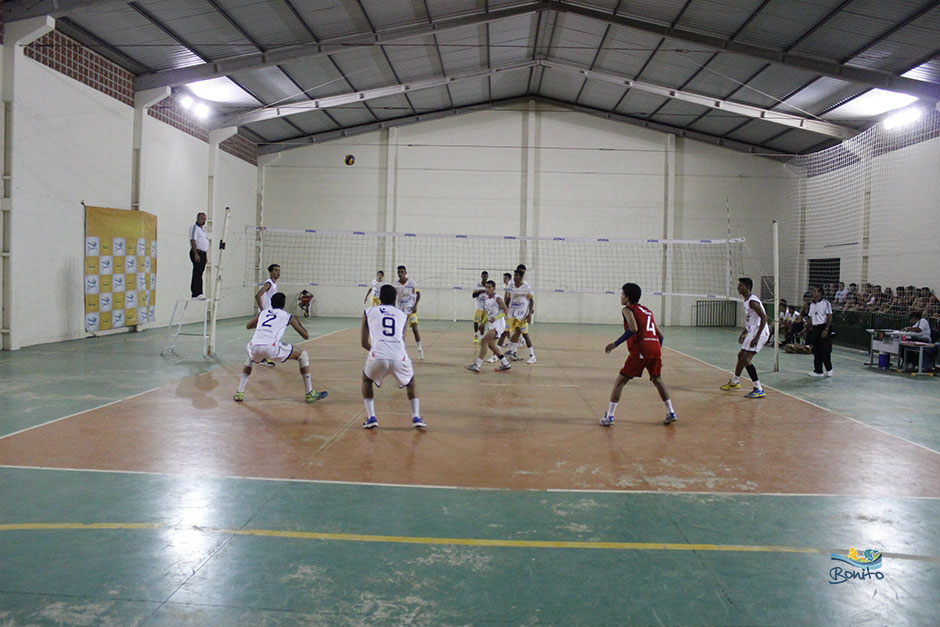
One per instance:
(504,361)
(242,382)
(531,351)
(415,407)
(736,379)
(370,406)
(669,407)
(308,383)
(478,362)
(757,386)
(611,408)
(420,350)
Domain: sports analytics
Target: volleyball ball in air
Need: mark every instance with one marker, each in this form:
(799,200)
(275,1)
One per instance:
(349,160)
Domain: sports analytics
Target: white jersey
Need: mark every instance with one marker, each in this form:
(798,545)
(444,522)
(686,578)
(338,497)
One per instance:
(751,319)
(492,308)
(519,302)
(387,331)
(406,295)
(376,287)
(481,297)
(271,326)
(266,296)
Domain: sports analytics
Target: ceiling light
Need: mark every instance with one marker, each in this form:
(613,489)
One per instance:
(186,102)
(902,118)
(202,110)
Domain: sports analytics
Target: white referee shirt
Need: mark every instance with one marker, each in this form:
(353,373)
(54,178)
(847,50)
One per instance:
(819,311)
(198,233)
(387,331)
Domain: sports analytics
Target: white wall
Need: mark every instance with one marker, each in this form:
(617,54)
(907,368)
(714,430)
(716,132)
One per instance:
(71,144)
(66,149)
(470,174)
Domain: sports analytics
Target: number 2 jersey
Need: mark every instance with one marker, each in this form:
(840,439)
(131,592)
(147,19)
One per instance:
(271,326)
(387,331)
(646,339)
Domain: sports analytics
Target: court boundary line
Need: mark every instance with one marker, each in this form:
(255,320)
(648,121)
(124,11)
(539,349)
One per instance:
(450,487)
(825,409)
(470,542)
(79,413)
(126,398)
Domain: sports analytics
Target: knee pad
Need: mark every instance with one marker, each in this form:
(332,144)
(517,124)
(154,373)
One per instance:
(303,359)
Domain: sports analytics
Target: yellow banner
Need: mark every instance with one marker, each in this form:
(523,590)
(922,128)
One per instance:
(120,268)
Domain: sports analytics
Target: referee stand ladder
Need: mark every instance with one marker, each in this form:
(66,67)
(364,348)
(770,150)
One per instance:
(209,308)
(178,319)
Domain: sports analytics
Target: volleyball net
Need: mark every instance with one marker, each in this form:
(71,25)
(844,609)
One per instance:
(864,211)
(703,268)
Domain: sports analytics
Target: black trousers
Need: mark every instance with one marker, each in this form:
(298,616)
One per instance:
(195,286)
(822,348)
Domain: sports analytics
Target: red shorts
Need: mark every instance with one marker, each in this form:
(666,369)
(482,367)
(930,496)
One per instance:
(636,363)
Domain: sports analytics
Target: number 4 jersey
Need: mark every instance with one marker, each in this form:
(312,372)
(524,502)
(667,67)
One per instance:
(646,338)
(387,331)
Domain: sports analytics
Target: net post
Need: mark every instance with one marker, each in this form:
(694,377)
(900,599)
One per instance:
(217,286)
(776,296)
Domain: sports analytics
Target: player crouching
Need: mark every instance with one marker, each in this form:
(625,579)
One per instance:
(383,335)
(269,325)
(644,341)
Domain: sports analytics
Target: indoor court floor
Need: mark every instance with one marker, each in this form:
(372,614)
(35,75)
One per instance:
(134,491)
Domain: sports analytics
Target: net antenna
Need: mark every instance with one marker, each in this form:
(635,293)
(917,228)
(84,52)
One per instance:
(702,268)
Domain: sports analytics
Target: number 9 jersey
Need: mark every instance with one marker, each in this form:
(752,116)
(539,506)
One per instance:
(387,331)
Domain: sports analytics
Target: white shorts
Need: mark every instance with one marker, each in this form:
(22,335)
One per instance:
(746,344)
(378,369)
(274,352)
(498,325)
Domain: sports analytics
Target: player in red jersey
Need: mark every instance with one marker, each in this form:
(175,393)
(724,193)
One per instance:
(644,341)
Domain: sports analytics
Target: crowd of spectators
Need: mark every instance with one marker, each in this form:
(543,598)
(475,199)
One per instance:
(872,298)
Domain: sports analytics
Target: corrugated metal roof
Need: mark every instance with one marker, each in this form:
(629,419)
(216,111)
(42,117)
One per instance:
(460,49)
(560,85)
(270,24)
(429,100)
(511,39)
(384,14)
(600,95)
(717,17)
(452,8)
(509,84)
(332,19)
(452,39)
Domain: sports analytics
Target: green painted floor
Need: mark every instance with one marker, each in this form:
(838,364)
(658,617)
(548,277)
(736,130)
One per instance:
(210,551)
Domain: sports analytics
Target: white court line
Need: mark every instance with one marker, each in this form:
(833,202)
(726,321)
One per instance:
(447,487)
(120,400)
(826,409)
(126,398)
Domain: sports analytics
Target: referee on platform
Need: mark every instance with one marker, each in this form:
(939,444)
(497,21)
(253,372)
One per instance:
(198,254)
(820,333)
